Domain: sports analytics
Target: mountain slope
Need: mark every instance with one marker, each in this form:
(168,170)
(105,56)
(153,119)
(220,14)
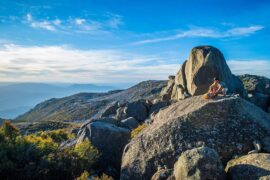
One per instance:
(18,98)
(83,106)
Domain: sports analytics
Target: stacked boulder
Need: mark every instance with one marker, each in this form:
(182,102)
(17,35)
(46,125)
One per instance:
(197,73)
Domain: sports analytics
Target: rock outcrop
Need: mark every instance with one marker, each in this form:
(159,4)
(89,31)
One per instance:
(252,166)
(199,163)
(162,174)
(108,138)
(110,109)
(137,110)
(258,89)
(227,125)
(197,73)
(166,92)
(129,123)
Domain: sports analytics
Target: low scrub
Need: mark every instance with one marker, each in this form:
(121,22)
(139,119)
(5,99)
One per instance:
(37,156)
(136,131)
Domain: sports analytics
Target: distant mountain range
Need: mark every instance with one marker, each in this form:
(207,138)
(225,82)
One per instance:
(18,98)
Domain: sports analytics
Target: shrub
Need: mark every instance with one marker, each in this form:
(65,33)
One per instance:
(37,156)
(60,135)
(83,176)
(104,177)
(136,131)
(8,130)
(86,151)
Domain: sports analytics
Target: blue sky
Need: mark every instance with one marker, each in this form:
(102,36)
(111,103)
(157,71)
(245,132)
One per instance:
(122,41)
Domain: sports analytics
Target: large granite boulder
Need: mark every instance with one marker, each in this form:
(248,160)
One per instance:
(197,74)
(249,167)
(108,138)
(227,125)
(199,163)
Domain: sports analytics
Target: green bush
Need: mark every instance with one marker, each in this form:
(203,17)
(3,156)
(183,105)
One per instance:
(37,156)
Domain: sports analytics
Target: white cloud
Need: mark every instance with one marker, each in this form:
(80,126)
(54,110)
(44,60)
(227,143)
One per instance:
(79,21)
(64,64)
(206,32)
(256,67)
(43,25)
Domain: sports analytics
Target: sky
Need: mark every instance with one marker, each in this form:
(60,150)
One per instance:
(120,41)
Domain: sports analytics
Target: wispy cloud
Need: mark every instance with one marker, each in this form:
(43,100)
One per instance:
(65,64)
(77,24)
(115,21)
(45,24)
(206,33)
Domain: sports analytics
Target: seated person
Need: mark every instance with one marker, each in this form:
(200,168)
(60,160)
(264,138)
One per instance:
(216,88)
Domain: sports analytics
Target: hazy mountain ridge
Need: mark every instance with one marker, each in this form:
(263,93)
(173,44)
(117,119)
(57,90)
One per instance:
(83,106)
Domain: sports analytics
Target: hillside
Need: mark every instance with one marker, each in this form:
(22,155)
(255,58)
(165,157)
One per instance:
(83,106)
(18,98)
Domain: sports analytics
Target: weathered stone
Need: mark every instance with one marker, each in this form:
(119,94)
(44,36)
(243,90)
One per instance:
(180,90)
(162,174)
(256,84)
(266,144)
(110,109)
(167,90)
(199,163)
(158,105)
(108,139)
(228,125)
(137,110)
(197,73)
(129,123)
(261,100)
(252,166)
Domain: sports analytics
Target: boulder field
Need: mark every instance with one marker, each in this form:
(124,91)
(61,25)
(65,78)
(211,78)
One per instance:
(227,125)
(187,137)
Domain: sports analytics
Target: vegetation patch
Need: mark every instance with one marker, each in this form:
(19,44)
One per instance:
(37,156)
(136,131)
